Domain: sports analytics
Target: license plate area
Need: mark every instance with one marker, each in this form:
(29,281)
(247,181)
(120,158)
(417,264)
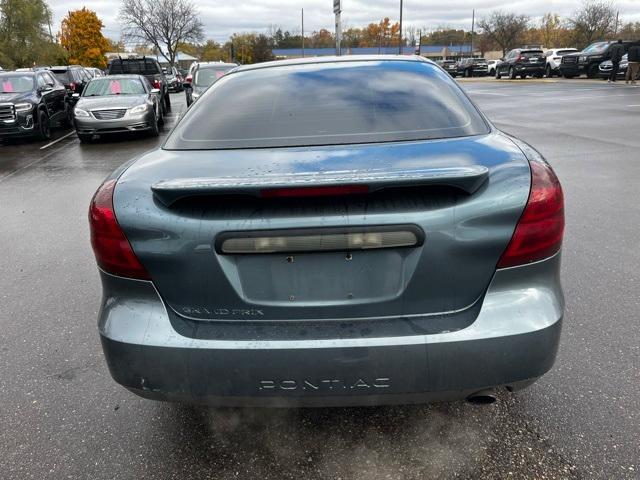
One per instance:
(327,278)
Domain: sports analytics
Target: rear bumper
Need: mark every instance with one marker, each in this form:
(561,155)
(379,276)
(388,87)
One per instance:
(513,340)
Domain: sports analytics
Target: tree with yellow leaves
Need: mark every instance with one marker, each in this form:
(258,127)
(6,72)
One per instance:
(82,38)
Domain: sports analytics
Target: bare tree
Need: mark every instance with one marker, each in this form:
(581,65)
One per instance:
(594,21)
(162,23)
(505,29)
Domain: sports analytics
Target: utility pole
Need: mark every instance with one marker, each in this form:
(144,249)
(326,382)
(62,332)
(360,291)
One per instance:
(337,9)
(303,32)
(400,42)
(473,24)
(615,31)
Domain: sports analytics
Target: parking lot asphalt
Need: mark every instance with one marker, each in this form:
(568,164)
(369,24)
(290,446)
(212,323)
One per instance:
(62,416)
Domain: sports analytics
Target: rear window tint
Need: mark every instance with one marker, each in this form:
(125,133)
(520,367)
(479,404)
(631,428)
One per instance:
(63,76)
(328,104)
(564,52)
(141,66)
(531,53)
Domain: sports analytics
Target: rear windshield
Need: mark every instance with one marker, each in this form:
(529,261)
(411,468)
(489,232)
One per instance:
(139,66)
(114,86)
(15,83)
(564,52)
(531,53)
(63,76)
(328,104)
(205,77)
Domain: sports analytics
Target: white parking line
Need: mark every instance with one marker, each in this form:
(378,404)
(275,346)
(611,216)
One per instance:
(633,105)
(56,141)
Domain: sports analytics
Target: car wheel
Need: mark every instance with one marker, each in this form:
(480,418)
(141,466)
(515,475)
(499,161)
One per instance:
(498,76)
(85,138)
(167,102)
(44,129)
(154,131)
(467,74)
(492,72)
(566,75)
(512,73)
(160,116)
(548,72)
(592,72)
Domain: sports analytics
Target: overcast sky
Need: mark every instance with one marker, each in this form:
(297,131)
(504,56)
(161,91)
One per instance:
(223,17)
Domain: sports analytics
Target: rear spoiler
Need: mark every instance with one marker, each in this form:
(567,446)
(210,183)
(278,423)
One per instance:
(467,179)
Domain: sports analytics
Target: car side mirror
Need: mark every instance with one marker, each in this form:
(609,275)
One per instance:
(155,90)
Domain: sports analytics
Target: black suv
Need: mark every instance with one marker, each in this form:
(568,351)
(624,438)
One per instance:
(521,62)
(31,103)
(472,67)
(147,67)
(588,60)
(73,77)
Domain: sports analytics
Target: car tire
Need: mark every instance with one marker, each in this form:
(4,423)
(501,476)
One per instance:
(512,73)
(167,102)
(467,74)
(85,138)
(548,72)
(492,72)
(154,131)
(566,75)
(44,129)
(160,115)
(498,76)
(592,71)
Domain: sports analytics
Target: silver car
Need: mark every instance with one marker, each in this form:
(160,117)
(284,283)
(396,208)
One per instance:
(116,104)
(330,231)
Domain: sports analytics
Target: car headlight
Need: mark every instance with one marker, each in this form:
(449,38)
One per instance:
(139,109)
(78,112)
(583,59)
(23,107)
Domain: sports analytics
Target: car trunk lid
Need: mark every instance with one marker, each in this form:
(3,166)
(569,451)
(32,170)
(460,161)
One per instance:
(461,198)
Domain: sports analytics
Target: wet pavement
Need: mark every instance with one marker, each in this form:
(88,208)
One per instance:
(63,417)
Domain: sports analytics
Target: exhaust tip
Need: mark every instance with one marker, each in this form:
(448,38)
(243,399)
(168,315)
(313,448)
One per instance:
(482,397)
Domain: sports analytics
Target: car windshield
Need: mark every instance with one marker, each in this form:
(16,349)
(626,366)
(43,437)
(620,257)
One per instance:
(141,66)
(597,47)
(564,52)
(16,83)
(328,104)
(206,76)
(114,86)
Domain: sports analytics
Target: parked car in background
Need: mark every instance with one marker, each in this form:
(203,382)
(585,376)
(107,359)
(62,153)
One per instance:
(148,68)
(174,79)
(553,57)
(587,61)
(73,77)
(521,62)
(286,246)
(204,75)
(31,103)
(491,66)
(604,70)
(116,104)
(472,67)
(94,72)
(450,66)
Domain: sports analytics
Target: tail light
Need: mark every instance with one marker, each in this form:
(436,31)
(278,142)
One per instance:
(110,245)
(156,84)
(189,79)
(72,87)
(538,234)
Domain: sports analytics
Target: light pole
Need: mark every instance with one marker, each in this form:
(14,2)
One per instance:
(400,42)
(303,32)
